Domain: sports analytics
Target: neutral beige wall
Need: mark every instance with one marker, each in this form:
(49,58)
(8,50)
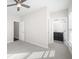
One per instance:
(36,27)
(58,14)
(9,30)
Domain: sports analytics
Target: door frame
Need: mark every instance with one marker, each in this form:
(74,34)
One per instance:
(21,32)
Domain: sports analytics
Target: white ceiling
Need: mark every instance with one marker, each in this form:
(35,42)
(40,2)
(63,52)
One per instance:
(53,6)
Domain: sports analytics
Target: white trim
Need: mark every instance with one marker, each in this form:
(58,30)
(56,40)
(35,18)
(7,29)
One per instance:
(38,44)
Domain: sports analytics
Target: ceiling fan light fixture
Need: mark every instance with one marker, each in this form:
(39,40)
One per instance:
(18,5)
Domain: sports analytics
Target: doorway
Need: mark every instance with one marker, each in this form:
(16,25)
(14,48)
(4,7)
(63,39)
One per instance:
(16,31)
(59,27)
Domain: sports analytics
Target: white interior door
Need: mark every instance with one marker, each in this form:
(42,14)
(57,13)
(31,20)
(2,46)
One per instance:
(21,31)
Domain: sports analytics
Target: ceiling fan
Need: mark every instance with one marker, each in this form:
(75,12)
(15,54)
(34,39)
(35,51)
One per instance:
(19,3)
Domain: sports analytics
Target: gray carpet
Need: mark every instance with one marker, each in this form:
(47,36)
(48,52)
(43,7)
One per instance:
(23,50)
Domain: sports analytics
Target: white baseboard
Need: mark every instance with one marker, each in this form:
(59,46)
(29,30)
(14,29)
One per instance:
(41,45)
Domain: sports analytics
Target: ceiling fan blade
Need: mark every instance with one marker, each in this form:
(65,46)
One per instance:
(11,5)
(25,5)
(16,1)
(18,8)
(23,1)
